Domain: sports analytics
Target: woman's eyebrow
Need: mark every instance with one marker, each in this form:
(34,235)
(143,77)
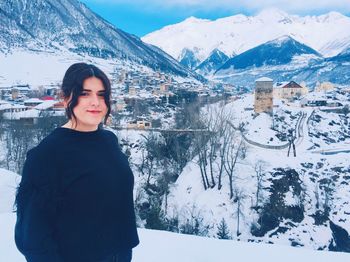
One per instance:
(99,91)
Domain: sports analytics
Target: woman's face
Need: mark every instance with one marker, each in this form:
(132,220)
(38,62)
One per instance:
(91,107)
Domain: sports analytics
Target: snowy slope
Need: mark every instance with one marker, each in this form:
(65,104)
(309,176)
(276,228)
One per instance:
(328,34)
(320,131)
(313,168)
(276,52)
(158,246)
(45,68)
(215,60)
(68,25)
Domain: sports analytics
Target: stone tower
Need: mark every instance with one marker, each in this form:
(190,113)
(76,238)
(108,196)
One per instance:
(263,101)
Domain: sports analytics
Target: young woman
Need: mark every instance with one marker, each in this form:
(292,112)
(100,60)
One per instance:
(75,199)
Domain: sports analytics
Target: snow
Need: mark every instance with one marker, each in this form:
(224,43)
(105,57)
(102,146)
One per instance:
(45,68)
(31,113)
(46,104)
(187,196)
(328,34)
(264,79)
(160,246)
(8,185)
(33,100)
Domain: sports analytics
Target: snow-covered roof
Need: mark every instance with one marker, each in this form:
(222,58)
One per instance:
(46,104)
(280,84)
(31,113)
(3,102)
(33,100)
(264,79)
(21,88)
(11,106)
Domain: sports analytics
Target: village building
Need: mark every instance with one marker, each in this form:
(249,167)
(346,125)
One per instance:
(120,104)
(140,123)
(32,102)
(263,95)
(132,91)
(52,90)
(290,90)
(164,87)
(19,91)
(324,87)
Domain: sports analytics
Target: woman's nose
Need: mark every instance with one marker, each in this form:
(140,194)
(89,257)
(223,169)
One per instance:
(94,100)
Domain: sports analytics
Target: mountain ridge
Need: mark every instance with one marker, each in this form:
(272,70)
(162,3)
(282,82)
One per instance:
(53,25)
(275,52)
(239,33)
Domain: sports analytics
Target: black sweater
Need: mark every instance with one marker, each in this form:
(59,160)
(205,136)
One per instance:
(75,199)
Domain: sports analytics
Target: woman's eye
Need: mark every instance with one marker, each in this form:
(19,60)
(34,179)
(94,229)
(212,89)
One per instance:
(84,94)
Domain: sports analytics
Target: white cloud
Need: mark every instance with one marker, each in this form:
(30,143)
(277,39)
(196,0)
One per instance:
(250,5)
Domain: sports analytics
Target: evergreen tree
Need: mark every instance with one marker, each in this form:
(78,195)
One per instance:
(155,217)
(223,232)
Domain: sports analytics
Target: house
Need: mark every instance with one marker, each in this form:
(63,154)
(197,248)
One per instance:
(32,102)
(18,91)
(289,90)
(120,104)
(140,123)
(164,87)
(9,111)
(52,90)
(324,87)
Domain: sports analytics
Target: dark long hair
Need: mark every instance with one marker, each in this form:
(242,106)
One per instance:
(72,86)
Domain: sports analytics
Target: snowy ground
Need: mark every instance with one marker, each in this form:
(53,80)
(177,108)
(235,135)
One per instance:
(158,246)
(188,197)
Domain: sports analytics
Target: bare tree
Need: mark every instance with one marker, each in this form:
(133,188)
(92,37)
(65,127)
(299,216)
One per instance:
(202,150)
(222,151)
(317,196)
(231,156)
(149,154)
(216,119)
(19,139)
(194,224)
(238,199)
(165,179)
(260,177)
(146,167)
(327,186)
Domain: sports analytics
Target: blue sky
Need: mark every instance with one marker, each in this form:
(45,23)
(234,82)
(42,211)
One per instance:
(140,17)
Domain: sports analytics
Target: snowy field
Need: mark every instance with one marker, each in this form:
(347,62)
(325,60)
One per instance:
(160,246)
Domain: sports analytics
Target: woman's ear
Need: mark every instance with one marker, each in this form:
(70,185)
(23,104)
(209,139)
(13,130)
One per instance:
(64,100)
(65,103)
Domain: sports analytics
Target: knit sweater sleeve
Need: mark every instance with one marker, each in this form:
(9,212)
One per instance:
(36,210)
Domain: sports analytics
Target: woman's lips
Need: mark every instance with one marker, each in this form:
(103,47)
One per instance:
(94,111)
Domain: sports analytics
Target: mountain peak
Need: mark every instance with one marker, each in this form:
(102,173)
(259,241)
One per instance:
(282,39)
(280,51)
(272,13)
(239,33)
(331,16)
(193,19)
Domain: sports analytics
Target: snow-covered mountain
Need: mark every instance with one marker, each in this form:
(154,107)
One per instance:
(344,56)
(328,34)
(68,25)
(276,52)
(215,60)
(188,59)
(295,62)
